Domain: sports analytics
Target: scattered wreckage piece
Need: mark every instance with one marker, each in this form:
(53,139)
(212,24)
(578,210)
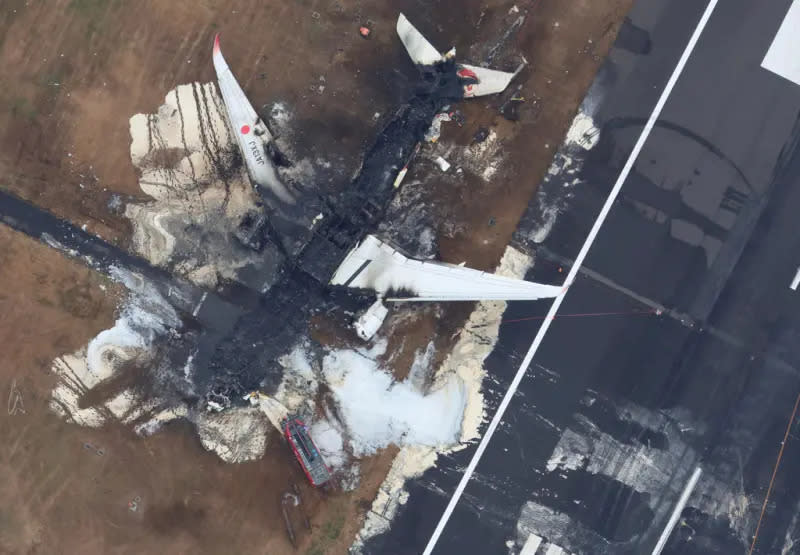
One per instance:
(306,521)
(368,324)
(291,502)
(443,164)
(379,267)
(434,132)
(404,170)
(289,499)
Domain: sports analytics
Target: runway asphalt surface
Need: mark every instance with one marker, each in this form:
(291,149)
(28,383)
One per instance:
(677,345)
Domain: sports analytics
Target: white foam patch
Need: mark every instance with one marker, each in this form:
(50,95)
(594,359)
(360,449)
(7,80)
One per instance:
(583,132)
(477,341)
(145,315)
(183,155)
(549,215)
(464,364)
(378,412)
(330,443)
(582,136)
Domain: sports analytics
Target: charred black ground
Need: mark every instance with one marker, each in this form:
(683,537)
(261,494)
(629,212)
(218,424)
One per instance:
(246,359)
(236,334)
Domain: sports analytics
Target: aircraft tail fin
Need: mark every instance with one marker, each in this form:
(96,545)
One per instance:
(251,133)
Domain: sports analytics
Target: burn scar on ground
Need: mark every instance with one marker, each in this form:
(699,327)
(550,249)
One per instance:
(197,194)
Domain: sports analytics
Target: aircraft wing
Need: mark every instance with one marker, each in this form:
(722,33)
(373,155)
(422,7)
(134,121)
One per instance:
(251,133)
(419,49)
(489,81)
(377,266)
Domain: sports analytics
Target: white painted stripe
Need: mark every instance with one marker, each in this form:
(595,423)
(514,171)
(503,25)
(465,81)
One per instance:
(531,545)
(200,304)
(676,513)
(782,57)
(570,278)
(555,550)
(795,281)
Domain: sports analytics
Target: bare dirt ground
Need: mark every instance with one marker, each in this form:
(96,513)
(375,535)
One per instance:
(74,71)
(71,489)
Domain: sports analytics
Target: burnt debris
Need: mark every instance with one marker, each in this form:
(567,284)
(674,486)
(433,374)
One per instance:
(246,358)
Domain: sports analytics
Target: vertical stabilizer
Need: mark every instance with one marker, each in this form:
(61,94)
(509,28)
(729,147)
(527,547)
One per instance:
(251,133)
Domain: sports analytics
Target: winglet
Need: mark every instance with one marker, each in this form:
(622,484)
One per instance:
(216,43)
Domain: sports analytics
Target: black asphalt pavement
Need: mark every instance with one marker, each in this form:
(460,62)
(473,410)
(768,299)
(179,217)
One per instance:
(677,346)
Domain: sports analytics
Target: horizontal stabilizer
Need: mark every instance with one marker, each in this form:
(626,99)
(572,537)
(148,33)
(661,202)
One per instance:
(421,51)
(377,266)
(489,81)
(251,133)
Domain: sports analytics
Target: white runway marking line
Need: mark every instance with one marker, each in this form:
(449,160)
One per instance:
(795,281)
(781,58)
(676,513)
(196,310)
(531,545)
(570,278)
(553,549)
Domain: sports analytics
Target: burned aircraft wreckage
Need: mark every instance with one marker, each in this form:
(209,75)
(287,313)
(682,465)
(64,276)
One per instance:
(320,255)
(323,247)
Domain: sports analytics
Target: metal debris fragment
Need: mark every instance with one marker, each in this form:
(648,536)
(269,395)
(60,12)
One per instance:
(404,170)
(368,323)
(287,498)
(435,130)
(443,164)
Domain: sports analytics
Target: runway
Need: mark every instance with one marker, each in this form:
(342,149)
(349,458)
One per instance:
(687,353)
